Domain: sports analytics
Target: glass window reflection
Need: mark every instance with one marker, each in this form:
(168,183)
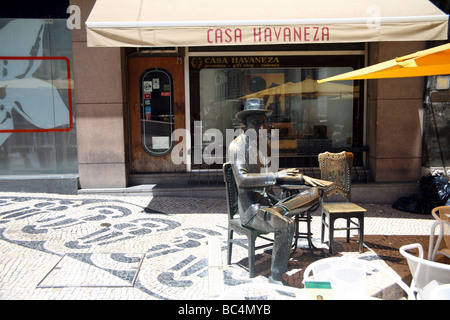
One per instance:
(309,116)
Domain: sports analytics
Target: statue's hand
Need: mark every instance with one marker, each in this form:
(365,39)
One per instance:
(293,176)
(286,173)
(289,176)
(316,182)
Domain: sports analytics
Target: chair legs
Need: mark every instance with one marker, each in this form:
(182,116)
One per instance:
(251,256)
(303,217)
(251,240)
(323,223)
(229,245)
(331,234)
(361,234)
(331,229)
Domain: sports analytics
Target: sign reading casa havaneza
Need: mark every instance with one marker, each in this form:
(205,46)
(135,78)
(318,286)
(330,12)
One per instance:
(267,35)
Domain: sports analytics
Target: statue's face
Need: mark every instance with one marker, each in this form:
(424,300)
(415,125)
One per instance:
(256,122)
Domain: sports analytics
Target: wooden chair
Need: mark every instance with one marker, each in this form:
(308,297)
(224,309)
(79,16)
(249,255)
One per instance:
(336,167)
(234,223)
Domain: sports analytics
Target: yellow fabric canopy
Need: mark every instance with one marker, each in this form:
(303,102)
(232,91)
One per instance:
(306,87)
(430,62)
(157,23)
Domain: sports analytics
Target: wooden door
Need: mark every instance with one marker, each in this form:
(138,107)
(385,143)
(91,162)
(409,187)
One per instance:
(143,160)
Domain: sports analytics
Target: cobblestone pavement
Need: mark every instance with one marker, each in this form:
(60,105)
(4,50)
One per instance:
(139,247)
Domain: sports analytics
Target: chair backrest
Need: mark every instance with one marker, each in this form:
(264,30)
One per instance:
(424,271)
(348,276)
(440,213)
(336,167)
(231,190)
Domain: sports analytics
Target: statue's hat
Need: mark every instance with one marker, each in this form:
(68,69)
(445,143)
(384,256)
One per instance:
(252,106)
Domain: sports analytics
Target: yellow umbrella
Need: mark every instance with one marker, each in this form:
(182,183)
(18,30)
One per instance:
(430,62)
(311,86)
(307,86)
(277,90)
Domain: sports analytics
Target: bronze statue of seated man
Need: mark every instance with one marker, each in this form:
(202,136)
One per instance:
(255,189)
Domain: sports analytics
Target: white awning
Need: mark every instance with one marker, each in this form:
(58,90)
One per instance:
(167,23)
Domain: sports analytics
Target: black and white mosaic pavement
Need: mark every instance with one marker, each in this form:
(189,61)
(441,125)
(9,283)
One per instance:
(133,242)
(138,247)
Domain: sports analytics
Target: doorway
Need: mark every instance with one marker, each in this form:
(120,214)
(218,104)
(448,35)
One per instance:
(156,109)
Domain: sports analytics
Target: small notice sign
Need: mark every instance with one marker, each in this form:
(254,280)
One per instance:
(316,290)
(443,83)
(148,86)
(156,83)
(160,143)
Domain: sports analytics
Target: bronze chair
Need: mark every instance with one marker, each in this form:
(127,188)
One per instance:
(336,167)
(234,223)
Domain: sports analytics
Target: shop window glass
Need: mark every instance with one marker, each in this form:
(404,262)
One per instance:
(37,121)
(436,137)
(436,134)
(310,117)
(157,122)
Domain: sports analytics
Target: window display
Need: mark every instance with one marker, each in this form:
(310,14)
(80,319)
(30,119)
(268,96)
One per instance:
(36,102)
(310,117)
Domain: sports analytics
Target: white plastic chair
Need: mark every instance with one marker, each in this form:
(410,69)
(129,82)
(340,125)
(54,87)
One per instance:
(441,292)
(262,291)
(426,275)
(439,213)
(348,276)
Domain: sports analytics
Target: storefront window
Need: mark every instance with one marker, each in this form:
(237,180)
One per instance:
(436,135)
(37,133)
(311,117)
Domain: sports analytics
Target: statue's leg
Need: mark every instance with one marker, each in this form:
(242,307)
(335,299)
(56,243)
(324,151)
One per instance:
(281,250)
(283,227)
(301,202)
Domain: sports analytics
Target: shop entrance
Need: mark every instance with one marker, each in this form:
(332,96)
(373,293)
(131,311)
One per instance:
(156,109)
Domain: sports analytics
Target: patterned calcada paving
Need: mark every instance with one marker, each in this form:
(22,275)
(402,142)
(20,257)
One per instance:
(111,243)
(137,247)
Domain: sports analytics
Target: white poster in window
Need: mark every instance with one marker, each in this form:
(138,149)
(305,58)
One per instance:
(160,143)
(148,86)
(38,101)
(156,84)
